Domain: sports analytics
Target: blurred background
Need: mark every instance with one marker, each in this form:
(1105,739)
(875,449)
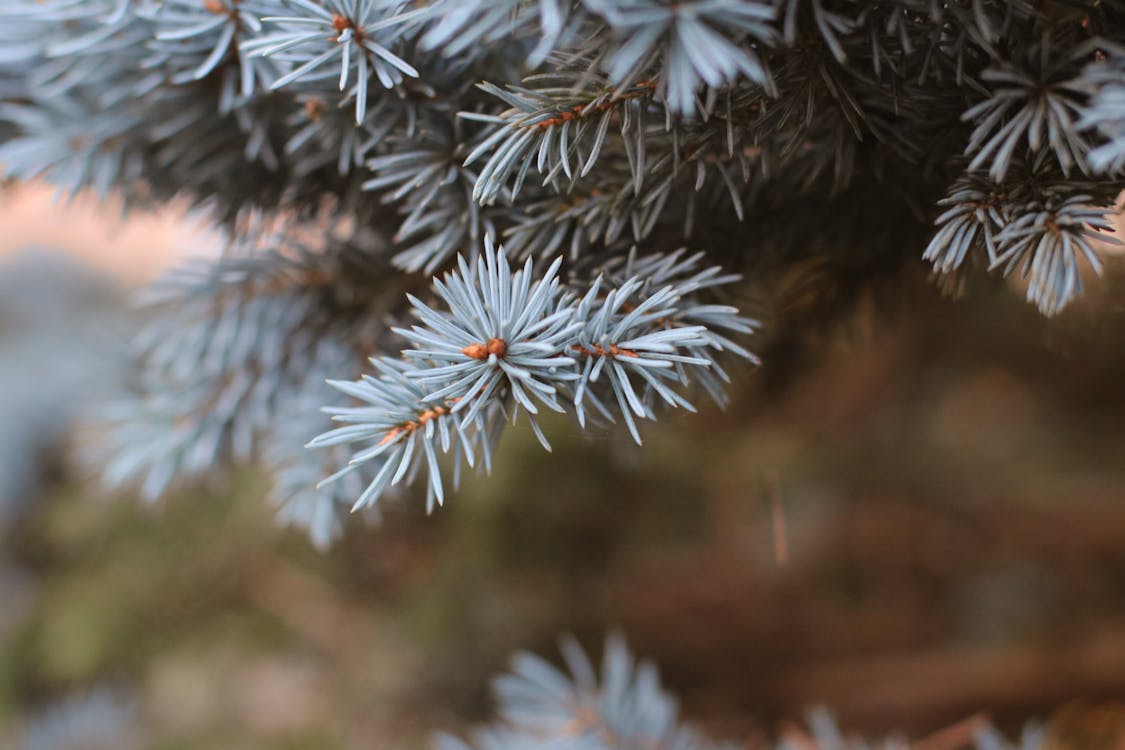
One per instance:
(911,515)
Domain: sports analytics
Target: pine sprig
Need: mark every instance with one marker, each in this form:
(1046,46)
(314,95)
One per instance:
(1105,111)
(976,211)
(688,45)
(631,345)
(433,192)
(508,342)
(1033,224)
(1033,102)
(233,351)
(1045,243)
(559,127)
(624,705)
(503,332)
(404,430)
(543,706)
(467,27)
(356,34)
(195,39)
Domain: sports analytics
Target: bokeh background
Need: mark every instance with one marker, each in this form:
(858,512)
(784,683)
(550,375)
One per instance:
(914,513)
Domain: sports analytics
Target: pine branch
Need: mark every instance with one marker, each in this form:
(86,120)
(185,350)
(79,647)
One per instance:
(231,346)
(559,127)
(686,45)
(405,430)
(1036,223)
(357,35)
(1105,112)
(1045,243)
(196,39)
(609,131)
(626,707)
(1033,102)
(434,193)
(468,27)
(507,344)
(542,706)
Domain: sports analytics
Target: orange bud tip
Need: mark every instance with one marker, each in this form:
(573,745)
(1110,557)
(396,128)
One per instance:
(497,346)
(475,351)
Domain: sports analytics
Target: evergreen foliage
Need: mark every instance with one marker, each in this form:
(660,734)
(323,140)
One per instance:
(540,706)
(346,145)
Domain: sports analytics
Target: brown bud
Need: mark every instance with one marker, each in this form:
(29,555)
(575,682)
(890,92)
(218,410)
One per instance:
(315,108)
(497,346)
(475,351)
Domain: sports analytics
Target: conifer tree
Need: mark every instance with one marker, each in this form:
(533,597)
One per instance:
(590,184)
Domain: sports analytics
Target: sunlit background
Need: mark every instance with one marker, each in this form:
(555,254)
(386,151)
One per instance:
(913,516)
